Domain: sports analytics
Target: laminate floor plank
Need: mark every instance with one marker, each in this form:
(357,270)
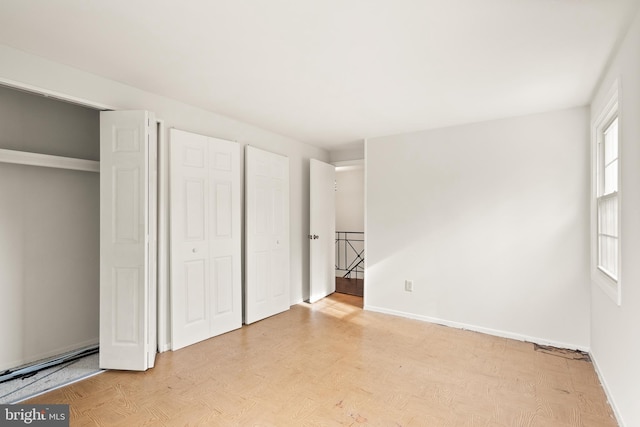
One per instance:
(333,364)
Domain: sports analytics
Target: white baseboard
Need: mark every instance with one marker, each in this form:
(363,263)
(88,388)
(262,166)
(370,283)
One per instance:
(607,391)
(488,331)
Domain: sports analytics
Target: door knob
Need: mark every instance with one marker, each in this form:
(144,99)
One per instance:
(313,236)
(194,250)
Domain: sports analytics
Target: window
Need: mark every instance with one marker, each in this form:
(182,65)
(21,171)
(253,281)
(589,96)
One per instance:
(608,201)
(606,207)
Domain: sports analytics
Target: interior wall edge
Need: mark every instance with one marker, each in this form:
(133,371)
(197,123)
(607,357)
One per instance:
(480,329)
(607,391)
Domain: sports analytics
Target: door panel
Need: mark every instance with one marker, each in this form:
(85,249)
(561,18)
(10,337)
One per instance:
(125,305)
(205,237)
(223,283)
(196,292)
(322,232)
(267,234)
(127,219)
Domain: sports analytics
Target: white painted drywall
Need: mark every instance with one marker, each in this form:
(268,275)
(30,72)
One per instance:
(350,199)
(615,330)
(490,221)
(29,70)
(354,151)
(49,231)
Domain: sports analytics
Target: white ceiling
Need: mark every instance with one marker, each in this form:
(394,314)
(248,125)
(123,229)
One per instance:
(331,72)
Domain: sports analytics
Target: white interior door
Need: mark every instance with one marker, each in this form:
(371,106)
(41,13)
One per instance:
(127,232)
(322,230)
(267,234)
(206,289)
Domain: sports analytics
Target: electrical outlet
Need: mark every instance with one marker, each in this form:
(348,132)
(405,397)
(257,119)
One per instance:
(408,285)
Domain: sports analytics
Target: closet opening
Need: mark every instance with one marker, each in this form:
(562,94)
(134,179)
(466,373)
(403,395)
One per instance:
(49,232)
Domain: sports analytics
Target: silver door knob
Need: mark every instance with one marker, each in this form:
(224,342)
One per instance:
(313,236)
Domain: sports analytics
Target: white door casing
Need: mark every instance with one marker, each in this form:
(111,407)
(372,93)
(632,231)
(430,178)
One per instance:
(205,218)
(127,230)
(267,244)
(152,241)
(322,230)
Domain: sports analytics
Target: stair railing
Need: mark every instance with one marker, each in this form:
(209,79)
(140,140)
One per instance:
(350,254)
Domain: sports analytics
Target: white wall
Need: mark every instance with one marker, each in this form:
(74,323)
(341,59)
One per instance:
(350,152)
(350,199)
(30,71)
(615,330)
(490,221)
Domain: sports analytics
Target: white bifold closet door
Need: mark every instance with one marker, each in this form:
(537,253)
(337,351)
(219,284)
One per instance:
(206,288)
(128,209)
(267,234)
(322,230)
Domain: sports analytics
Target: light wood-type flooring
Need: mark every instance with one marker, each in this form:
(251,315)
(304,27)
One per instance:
(333,364)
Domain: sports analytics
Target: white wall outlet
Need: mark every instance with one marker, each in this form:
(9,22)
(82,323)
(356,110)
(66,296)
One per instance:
(408,285)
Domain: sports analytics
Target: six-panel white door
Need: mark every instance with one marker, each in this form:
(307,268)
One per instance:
(322,230)
(267,234)
(206,297)
(127,237)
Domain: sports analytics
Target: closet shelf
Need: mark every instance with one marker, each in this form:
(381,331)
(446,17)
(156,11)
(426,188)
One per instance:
(48,161)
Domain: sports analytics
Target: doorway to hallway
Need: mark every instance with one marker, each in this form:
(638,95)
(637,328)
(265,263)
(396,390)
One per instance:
(350,236)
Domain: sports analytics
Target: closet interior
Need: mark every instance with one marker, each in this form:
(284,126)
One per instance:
(49,227)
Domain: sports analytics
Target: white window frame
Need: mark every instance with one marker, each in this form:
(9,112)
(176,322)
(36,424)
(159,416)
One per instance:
(607,114)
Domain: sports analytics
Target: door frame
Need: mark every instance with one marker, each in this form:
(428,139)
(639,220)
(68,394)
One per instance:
(163,339)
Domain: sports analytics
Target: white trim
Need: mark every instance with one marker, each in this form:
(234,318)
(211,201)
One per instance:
(607,391)
(48,161)
(53,94)
(366,226)
(488,331)
(164,339)
(348,165)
